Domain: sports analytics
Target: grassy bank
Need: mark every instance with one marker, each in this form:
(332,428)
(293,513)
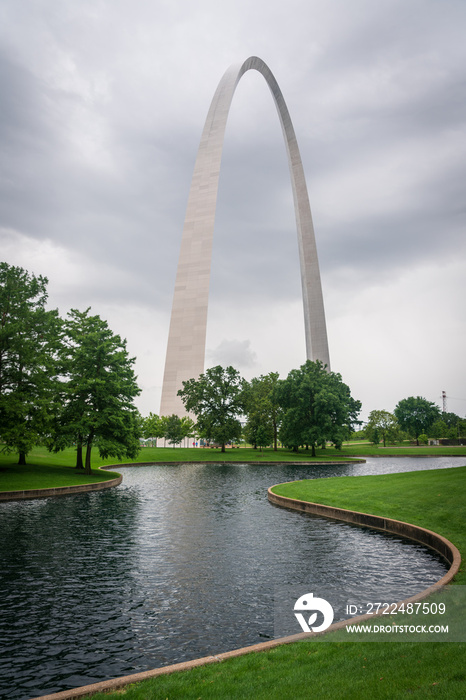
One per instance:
(45,476)
(348,451)
(345,670)
(46,470)
(401,450)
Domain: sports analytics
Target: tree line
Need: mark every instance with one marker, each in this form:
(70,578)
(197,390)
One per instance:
(415,418)
(70,382)
(63,381)
(309,408)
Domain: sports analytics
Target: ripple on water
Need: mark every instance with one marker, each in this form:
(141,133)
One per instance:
(176,563)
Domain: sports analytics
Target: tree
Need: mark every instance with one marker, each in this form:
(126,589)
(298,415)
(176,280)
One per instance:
(97,391)
(451,419)
(177,428)
(153,426)
(439,429)
(263,411)
(216,398)
(29,338)
(416,415)
(257,431)
(456,425)
(382,424)
(318,407)
(448,425)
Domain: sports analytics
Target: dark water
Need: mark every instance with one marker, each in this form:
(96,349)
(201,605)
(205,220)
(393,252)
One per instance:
(178,562)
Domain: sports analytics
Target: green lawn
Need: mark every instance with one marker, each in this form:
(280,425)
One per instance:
(241,454)
(336,670)
(401,450)
(44,476)
(348,451)
(45,470)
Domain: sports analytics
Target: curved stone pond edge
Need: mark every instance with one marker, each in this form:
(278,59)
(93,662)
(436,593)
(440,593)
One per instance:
(413,532)
(397,527)
(59,490)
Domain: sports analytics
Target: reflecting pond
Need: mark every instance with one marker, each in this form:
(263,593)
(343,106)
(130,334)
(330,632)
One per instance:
(178,562)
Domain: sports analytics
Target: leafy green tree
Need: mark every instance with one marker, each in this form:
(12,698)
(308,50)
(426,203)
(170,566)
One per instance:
(263,411)
(452,419)
(153,426)
(188,427)
(217,399)
(449,425)
(177,428)
(97,391)
(439,429)
(263,436)
(257,432)
(382,424)
(318,407)
(460,426)
(29,339)
(416,415)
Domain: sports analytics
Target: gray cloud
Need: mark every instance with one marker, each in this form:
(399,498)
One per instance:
(102,111)
(237,353)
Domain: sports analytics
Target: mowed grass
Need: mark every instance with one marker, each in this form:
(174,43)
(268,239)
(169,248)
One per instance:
(328,671)
(335,670)
(46,476)
(45,470)
(402,449)
(247,454)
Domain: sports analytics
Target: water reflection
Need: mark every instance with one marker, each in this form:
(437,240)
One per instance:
(176,563)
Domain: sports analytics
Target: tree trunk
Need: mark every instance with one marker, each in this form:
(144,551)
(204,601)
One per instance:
(22,458)
(223,447)
(313,450)
(79,454)
(87,468)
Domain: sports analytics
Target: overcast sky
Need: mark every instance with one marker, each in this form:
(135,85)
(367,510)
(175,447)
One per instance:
(102,105)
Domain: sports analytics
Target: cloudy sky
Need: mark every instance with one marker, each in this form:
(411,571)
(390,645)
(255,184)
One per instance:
(102,104)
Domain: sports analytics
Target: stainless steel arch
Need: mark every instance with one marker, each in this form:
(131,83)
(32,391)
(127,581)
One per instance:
(188,325)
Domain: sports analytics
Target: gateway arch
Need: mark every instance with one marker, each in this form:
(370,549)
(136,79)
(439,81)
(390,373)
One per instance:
(188,325)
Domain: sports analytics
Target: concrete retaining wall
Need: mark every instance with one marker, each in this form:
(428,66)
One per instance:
(58,491)
(412,532)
